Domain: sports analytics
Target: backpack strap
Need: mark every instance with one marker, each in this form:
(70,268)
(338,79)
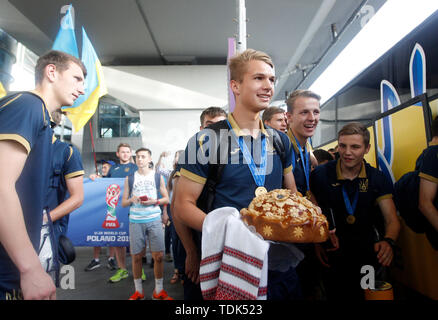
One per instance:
(131,183)
(279,145)
(61,191)
(57,179)
(206,198)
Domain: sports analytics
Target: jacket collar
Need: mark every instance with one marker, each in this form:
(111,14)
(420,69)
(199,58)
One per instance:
(362,173)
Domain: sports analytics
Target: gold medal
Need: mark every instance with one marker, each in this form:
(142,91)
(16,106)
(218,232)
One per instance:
(351,219)
(260,190)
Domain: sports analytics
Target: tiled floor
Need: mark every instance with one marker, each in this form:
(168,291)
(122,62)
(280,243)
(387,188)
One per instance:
(93,285)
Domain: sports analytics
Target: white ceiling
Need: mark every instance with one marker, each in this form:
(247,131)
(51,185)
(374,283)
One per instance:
(160,32)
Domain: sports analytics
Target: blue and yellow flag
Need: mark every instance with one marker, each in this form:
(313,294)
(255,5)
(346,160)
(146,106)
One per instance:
(85,106)
(66,39)
(2,91)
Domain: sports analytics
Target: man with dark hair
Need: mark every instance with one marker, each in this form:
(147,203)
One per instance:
(121,170)
(106,166)
(187,251)
(275,117)
(357,200)
(211,115)
(334,152)
(322,156)
(25,153)
(145,221)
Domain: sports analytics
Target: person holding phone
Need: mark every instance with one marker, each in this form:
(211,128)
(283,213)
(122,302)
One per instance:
(145,221)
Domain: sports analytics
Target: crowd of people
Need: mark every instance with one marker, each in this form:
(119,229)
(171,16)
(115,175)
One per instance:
(356,198)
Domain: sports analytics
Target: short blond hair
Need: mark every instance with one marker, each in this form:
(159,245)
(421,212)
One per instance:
(300,93)
(238,63)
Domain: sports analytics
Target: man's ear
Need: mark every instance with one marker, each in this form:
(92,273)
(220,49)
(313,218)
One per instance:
(235,86)
(50,72)
(289,117)
(367,149)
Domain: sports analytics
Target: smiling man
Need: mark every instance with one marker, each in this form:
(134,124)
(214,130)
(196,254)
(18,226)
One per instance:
(252,82)
(360,198)
(25,166)
(303,112)
(302,118)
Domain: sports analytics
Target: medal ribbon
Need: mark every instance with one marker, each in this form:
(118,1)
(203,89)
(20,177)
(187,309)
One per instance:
(258,174)
(305,161)
(351,207)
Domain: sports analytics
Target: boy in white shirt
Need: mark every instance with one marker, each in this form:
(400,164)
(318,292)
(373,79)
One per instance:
(145,221)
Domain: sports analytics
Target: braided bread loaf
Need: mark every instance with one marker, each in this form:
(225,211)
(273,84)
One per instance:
(280,215)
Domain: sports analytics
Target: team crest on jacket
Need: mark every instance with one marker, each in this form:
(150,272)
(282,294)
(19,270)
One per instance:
(363,185)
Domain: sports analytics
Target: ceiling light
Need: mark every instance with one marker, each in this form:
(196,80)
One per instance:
(394,20)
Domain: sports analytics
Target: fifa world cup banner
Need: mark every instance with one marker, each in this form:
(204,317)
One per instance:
(101,220)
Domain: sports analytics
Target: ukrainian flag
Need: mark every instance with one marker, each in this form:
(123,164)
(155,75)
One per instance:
(66,39)
(85,106)
(2,91)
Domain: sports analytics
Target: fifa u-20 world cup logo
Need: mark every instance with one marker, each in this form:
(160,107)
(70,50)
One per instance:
(112,198)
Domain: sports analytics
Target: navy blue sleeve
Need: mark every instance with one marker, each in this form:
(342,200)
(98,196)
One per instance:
(429,166)
(385,187)
(73,166)
(287,164)
(194,162)
(22,117)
